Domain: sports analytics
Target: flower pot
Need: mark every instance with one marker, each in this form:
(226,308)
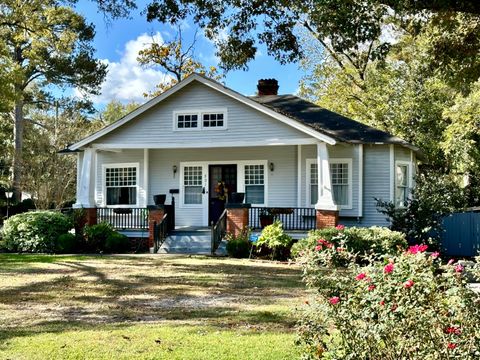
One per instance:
(159,199)
(266,220)
(236,197)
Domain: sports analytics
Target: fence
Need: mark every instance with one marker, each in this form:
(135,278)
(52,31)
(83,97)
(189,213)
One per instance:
(124,218)
(291,218)
(461,236)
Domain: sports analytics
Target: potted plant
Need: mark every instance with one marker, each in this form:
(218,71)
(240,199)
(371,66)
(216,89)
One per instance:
(159,199)
(266,217)
(236,197)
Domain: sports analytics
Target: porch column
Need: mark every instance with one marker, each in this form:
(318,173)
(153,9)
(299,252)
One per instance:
(155,215)
(86,186)
(237,218)
(327,211)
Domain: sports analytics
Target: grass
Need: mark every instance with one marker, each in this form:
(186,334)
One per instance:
(146,307)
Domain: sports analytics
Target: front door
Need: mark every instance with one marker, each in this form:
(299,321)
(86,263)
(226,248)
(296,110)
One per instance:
(222,182)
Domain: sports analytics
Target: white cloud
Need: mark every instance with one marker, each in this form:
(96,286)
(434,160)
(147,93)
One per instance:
(126,80)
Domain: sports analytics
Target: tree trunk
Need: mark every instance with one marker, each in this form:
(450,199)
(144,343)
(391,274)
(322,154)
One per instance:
(18,149)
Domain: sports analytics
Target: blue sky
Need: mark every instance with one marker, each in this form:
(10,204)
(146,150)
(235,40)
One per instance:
(117,43)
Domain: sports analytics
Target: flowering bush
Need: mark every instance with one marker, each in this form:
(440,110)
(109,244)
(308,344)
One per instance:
(405,307)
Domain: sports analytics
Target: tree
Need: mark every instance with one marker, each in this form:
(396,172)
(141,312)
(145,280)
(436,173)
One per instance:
(46,44)
(175,59)
(114,111)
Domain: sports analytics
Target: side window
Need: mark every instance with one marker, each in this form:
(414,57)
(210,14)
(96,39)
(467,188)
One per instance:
(121,185)
(255,184)
(402,176)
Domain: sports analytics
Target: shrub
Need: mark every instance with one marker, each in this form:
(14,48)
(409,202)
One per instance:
(239,246)
(66,243)
(273,237)
(406,307)
(362,241)
(117,243)
(96,236)
(35,231)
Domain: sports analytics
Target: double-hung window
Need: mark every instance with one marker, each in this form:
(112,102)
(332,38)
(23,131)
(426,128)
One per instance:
(192,185)
(402,183)
(121,184)
(255,184)
(341,179)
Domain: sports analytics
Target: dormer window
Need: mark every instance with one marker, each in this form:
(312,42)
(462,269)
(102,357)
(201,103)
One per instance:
(208,119)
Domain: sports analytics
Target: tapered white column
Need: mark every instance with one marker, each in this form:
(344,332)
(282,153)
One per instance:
(325,196)
(85,189)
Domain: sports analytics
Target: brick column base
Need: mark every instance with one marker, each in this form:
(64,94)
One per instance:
(91,216)
(327,218)
(237,218)
(155,215)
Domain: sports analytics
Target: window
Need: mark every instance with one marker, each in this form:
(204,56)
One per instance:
(187,121)
(193,187)
(212,120)
(340,183)
(255,184)
(402,176)
(209,119)
(341,178)
(121,185)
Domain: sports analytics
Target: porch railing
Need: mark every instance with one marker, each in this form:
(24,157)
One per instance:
(218,231)
(159,233)
(124,218)
(292,218)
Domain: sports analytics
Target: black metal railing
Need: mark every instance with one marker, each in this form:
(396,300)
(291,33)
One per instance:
(159,233)
(218,231)
(292,218)
(124,218)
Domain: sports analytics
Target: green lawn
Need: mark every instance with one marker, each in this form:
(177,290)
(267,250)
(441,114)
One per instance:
(147,307)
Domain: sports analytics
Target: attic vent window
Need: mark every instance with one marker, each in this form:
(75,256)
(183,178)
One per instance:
(209,119)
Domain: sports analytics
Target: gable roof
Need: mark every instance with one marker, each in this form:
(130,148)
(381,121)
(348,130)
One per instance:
(339,127)
(302,115)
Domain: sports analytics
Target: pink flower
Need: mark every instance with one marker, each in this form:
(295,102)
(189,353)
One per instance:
(388,268)
(451,346)
(340,227)
(334,300)
(382,302)
(371,287)
(459,268)
(408,284)
(340,249)
(435,254)
(453,330)
(450,262)
(323,242)
(318,247)
(415,249)
(360,276)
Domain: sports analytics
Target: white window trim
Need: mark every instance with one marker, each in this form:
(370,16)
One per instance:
(104,183)
(200,113)
(348,161)
(182,184)
(241,177)
(409,179)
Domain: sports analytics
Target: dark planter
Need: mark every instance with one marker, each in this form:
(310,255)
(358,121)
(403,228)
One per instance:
(159,199)
(266,220)
(236,197)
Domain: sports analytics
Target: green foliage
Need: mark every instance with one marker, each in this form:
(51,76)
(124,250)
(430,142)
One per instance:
(66,243)
(96,236)
(421,218)
(117,243)
(274,238)
(35,231)
(356,240)
(115,110)
(239,246)
(406,307)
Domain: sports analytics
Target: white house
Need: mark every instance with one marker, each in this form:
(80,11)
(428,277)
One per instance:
(280,150)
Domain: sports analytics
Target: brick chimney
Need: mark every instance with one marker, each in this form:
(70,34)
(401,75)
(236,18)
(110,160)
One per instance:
(267,87)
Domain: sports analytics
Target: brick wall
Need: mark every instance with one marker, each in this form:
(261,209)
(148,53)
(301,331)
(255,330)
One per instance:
(326,218)
(155,215)
(237,220)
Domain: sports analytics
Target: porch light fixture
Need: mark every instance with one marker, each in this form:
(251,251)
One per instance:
(272,166)
(174,169)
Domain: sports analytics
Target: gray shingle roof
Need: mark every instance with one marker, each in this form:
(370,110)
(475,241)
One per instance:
(328,122)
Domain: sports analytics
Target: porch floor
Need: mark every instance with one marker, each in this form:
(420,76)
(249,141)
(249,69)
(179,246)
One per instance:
(190,240)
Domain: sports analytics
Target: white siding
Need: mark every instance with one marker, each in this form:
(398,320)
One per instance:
(244,124)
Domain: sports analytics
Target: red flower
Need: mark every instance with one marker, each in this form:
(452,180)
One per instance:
(453,330)
(360,276)
(388,268)
(340,249)
(334,300)
(340,227)
(318,247)
(408,284)
(451,346)
(459,268)
(382,302)
(371,287)
(323,242)
(435,254)
(415,249)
